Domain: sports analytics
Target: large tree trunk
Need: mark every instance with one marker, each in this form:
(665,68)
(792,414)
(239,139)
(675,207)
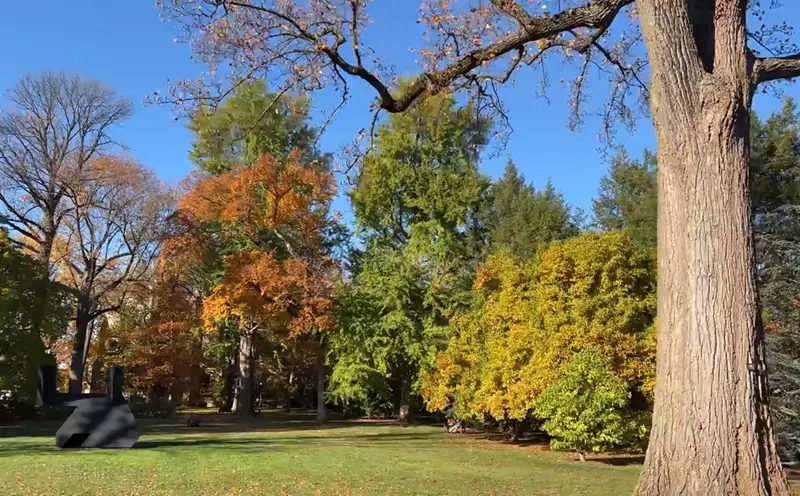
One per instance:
(322,414)
(80,349)
(711,423)
(244,393)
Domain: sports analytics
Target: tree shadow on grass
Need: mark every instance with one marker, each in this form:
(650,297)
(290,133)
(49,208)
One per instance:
(409,439)
(529,439)
(208,423)
(214,436)
(619,460)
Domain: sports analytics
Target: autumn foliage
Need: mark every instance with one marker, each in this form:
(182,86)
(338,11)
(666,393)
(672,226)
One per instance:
(593,292)
(163,352)
(276,211)
(267,195)
(278,294)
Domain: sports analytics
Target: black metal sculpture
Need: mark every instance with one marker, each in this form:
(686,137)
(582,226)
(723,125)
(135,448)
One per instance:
(99,420)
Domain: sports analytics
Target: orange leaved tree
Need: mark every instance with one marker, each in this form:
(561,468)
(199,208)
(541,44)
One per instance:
(276,281)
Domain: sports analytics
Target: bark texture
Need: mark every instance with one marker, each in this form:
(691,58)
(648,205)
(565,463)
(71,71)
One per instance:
(244,393)
(711,423)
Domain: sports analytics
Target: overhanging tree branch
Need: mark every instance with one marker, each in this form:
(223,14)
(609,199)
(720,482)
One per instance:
(774,68)
(597,14)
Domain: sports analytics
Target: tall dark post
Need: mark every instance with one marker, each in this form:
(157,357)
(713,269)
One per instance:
(46,391)
(114,382)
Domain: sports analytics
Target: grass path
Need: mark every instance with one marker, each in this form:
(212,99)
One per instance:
(293,457)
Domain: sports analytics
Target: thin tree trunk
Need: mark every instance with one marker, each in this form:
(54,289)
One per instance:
(244,396)
(322,414)
(229,379)
(287,400)
(80,347)
(405,400)
(711,424)
(96,380)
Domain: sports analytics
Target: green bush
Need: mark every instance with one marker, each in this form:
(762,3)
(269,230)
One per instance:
(12,407)
(587,409)
(157,408)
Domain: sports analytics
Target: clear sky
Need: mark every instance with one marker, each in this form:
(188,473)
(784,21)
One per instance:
(125,44)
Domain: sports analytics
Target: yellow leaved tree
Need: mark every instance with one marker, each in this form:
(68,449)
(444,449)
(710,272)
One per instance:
(593,292)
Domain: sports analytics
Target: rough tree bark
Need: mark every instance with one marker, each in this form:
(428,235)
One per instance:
(711,423)
(244,393)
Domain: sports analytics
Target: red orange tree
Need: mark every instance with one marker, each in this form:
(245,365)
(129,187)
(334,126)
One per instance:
(276,280)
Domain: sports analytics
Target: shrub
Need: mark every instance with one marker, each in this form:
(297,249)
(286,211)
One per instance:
(587,408)
(157,408)
(13,407)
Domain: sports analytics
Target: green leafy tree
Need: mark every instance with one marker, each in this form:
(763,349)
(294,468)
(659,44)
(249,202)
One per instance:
(628,199)
(250,124)
(25,320)
(384,333)
(413,204)
(775,190)
(522,219)
(774,168)
(423,169)
(586,409)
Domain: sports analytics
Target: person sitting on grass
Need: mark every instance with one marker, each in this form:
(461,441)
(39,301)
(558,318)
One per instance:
(453,426)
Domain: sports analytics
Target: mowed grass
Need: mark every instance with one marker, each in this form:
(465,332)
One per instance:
(291,456)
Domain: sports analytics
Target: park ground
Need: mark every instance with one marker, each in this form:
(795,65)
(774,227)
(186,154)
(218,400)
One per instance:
(289,455)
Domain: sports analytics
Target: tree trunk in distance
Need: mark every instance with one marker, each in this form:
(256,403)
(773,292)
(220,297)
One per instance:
(176,392)
(711,429)
(96,379)
(322,414)
(244,393)
(287,399)
(80,345)
(405,400)
(229,382)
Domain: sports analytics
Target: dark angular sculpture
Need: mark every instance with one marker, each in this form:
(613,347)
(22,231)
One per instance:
(101,420)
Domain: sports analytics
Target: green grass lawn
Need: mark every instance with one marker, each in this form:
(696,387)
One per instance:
(291,456)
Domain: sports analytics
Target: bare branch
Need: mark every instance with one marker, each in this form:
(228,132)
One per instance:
(597,14)
(774,68)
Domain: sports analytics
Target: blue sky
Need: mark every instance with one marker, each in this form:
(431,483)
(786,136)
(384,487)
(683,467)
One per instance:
(125,44)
